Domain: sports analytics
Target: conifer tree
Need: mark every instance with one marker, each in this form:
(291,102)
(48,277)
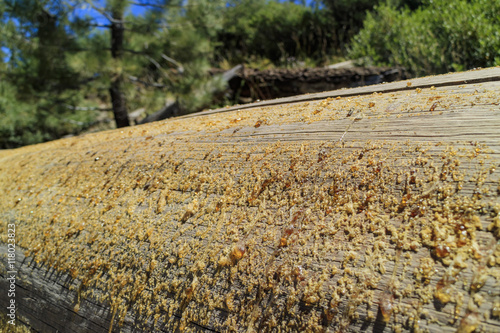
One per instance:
(138,59)
(37,82)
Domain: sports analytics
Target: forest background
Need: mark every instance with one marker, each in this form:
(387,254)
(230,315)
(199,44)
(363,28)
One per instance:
(64,64)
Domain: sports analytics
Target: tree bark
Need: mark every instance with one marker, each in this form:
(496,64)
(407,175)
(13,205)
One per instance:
(117,97)
(119,103)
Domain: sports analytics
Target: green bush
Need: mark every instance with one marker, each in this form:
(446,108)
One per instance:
(273,30)
(439,37)
(26,122)
(17,127)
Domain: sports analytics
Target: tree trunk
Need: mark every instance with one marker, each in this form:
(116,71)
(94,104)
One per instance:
(119,105)
(115,91)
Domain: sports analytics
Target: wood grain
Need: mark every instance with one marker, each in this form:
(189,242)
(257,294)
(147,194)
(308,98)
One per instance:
(312,213)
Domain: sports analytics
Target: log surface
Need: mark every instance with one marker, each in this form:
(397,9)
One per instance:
(373,208)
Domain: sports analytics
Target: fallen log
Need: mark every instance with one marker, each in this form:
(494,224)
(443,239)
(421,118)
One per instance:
(374,208)
(171,109)
(174,109)
(252,84)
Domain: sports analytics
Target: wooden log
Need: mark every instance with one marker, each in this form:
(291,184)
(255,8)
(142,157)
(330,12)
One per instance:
(283,82)
(351,211)
(171,109)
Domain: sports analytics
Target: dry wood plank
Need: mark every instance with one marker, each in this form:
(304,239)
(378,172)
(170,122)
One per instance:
(373,212)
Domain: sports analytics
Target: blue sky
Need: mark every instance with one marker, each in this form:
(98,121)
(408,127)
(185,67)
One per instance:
(87,10)
(139,10)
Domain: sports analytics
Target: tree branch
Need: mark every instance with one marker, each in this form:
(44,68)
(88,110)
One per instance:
(158,66)
(135,52)
(107,26)
(103,13)
(180,68)
(84,108)
(146,4)
(154,62)
(135,79)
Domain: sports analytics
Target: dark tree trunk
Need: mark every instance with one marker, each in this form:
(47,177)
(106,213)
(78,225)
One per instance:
(117,96)
(119,105)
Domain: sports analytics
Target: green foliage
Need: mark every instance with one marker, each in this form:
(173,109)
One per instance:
(283,32)
(347,16)
(278,31)
(16,127)
(60,63)
(38,88)
(60,67)
(29,122)
(188,42)
(439,37)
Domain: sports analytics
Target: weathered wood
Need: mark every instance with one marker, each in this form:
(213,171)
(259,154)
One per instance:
(453,79)
(171,109)
(308,215)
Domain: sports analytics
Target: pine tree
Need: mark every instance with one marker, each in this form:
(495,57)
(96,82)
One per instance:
(66,61)
(37,82)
